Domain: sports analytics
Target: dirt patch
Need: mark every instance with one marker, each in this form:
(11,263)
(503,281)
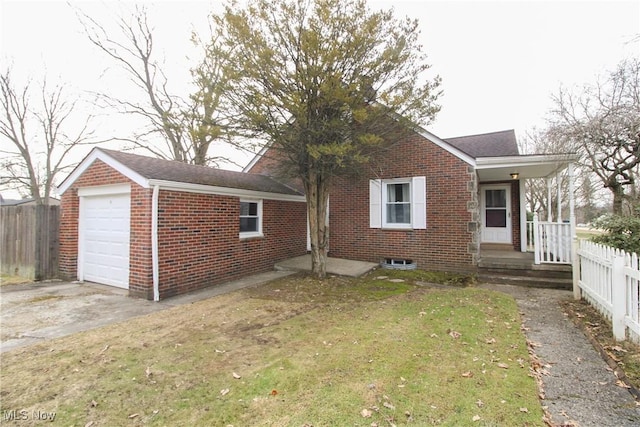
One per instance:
(303,288)
(43,298)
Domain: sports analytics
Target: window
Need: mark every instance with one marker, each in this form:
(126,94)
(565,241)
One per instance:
(250,218)
(398,203)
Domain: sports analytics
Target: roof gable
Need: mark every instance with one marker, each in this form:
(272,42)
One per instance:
(148,171)
(494,144)
(444,144)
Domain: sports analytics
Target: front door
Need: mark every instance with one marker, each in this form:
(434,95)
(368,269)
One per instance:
(496,213)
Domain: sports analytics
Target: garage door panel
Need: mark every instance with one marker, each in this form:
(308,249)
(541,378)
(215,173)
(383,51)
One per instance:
(105,231)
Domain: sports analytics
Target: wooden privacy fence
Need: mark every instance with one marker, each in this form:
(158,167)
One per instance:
(29,237)
(610,281)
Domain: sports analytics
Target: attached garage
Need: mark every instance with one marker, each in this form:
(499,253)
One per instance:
(160,228)
(103,235)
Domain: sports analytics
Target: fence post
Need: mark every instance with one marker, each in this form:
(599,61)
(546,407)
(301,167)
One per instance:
(618,294)
(575,263)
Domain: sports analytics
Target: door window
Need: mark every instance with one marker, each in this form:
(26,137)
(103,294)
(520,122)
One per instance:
(496,208)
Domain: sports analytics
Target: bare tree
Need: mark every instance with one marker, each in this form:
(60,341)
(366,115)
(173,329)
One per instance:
(188,125)
(602,125)
(537,141)
(39,137)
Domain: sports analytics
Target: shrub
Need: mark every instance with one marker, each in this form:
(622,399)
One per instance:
(621,231)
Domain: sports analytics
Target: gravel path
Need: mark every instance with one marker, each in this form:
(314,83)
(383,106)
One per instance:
(580,388)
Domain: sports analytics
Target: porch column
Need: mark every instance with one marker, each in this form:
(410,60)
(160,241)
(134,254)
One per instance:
(549,207)
(559,196)
(572,215)
(537,244)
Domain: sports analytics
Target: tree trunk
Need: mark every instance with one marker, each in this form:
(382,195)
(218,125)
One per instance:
(618,198)
(317,193)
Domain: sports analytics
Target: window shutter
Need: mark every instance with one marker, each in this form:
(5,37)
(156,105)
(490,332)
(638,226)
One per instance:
(419,202)
(375,203)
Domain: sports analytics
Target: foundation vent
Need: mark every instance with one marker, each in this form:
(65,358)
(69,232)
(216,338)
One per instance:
(398,264)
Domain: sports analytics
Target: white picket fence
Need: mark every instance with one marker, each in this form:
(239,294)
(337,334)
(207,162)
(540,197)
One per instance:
(610,281)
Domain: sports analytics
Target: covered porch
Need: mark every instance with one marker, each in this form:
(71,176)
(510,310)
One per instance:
(508,229)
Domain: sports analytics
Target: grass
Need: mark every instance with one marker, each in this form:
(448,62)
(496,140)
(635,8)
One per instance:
(587,233)
(293,352)
(6,279)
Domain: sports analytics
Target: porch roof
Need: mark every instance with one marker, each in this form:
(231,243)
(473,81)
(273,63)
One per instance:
(526,166)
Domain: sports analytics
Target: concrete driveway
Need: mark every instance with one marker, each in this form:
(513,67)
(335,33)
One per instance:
(35,312)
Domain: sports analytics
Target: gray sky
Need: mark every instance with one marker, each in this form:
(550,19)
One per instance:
(500,62)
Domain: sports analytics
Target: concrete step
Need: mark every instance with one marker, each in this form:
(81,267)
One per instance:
(531,271)
(535,282)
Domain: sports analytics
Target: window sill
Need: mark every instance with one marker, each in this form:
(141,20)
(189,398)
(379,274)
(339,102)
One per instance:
(397,227)
(247,236)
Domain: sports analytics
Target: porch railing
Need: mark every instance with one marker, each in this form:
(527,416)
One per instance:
(551,241)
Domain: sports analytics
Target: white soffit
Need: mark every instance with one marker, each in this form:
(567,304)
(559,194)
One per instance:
(533,166)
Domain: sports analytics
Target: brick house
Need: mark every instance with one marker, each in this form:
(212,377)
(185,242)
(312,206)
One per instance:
(435,202)
(160,228)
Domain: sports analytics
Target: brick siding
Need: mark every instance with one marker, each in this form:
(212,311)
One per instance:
(450,241)
(199,244)
(98,174)
(198,236)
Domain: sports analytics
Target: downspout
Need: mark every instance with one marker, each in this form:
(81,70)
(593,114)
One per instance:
(154,243)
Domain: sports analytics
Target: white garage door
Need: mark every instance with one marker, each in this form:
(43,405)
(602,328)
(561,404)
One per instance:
(104,239)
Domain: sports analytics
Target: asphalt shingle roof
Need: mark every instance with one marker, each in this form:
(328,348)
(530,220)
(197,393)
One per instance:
(494,144)
(171,170)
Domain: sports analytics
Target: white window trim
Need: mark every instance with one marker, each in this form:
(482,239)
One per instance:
(252,234)
(378,197)
(396,225)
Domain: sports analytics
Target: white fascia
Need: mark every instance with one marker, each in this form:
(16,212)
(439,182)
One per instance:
(224,191)
(445,146)
(257,157)
(97,154)
(143,182)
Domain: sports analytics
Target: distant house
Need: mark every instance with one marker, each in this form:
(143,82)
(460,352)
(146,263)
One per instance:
(160,228)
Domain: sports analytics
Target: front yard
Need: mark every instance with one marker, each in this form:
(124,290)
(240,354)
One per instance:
(295,352)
